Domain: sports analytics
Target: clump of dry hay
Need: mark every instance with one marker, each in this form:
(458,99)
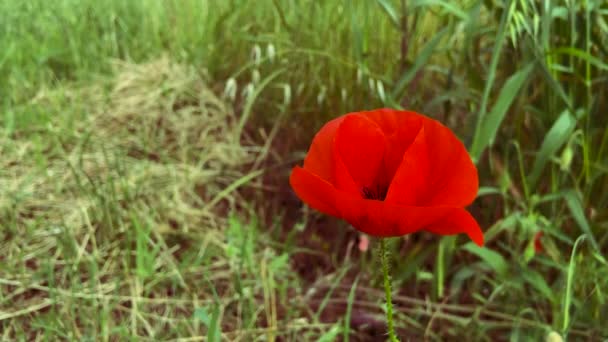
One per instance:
(156,149)
(180,135)
(167,110)
(159,139)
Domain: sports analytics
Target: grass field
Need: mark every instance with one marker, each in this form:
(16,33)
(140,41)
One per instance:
(146,145)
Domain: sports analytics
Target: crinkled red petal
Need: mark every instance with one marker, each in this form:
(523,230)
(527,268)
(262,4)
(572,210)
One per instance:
(360,143)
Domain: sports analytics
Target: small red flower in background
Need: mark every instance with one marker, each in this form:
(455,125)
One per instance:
(390,173)
(538,244)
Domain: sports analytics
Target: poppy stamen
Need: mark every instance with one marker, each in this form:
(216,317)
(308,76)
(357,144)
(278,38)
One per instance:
(378,194)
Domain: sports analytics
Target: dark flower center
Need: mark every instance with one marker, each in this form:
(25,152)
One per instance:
(375,192)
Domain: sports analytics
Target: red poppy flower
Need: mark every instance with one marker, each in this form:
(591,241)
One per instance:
(390,173)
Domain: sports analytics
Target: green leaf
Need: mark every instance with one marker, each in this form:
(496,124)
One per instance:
(329,293)
(551,81)
(496,53)
(279,263)
(214,332)
(423,57)
(390,11)
(576,209)
(492,121)
(538,282)
(556,137)
(202,315)
(569,281)
(9,120)
(211,322)
(460,277)
(349,309)
(487,190)
(582,55)
(145,254)
(332,334)
(529,252)
(447,5)
(249,102)
(230,188)
(492,258)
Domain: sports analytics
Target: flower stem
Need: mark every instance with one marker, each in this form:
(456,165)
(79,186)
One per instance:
(387,288)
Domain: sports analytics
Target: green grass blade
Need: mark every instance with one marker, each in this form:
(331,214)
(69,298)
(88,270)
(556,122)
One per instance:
(440,268)
(449,6)
(210,321)
(144,257)
(569,281)
(331,334)
(247,109)
(390,10)
(214,333)
(500,40)
(557,136)
(349,309)
(327,297)
(423,57)
(582,55)
(553,83)
(487,190)
(576,209)
(235,185)
(537,281)
(496,261)
(492,122)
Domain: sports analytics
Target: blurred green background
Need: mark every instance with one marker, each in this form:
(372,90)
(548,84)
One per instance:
(146,145)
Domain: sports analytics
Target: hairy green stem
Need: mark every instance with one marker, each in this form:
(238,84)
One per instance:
(387,288)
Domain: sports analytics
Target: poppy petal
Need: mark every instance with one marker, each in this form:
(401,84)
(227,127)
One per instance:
(458,221)
(314,191)
(342,178)
(453,176)
(387,119)
(400,129)
(361,144)
(410,183)
(319,157)
(378,218)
